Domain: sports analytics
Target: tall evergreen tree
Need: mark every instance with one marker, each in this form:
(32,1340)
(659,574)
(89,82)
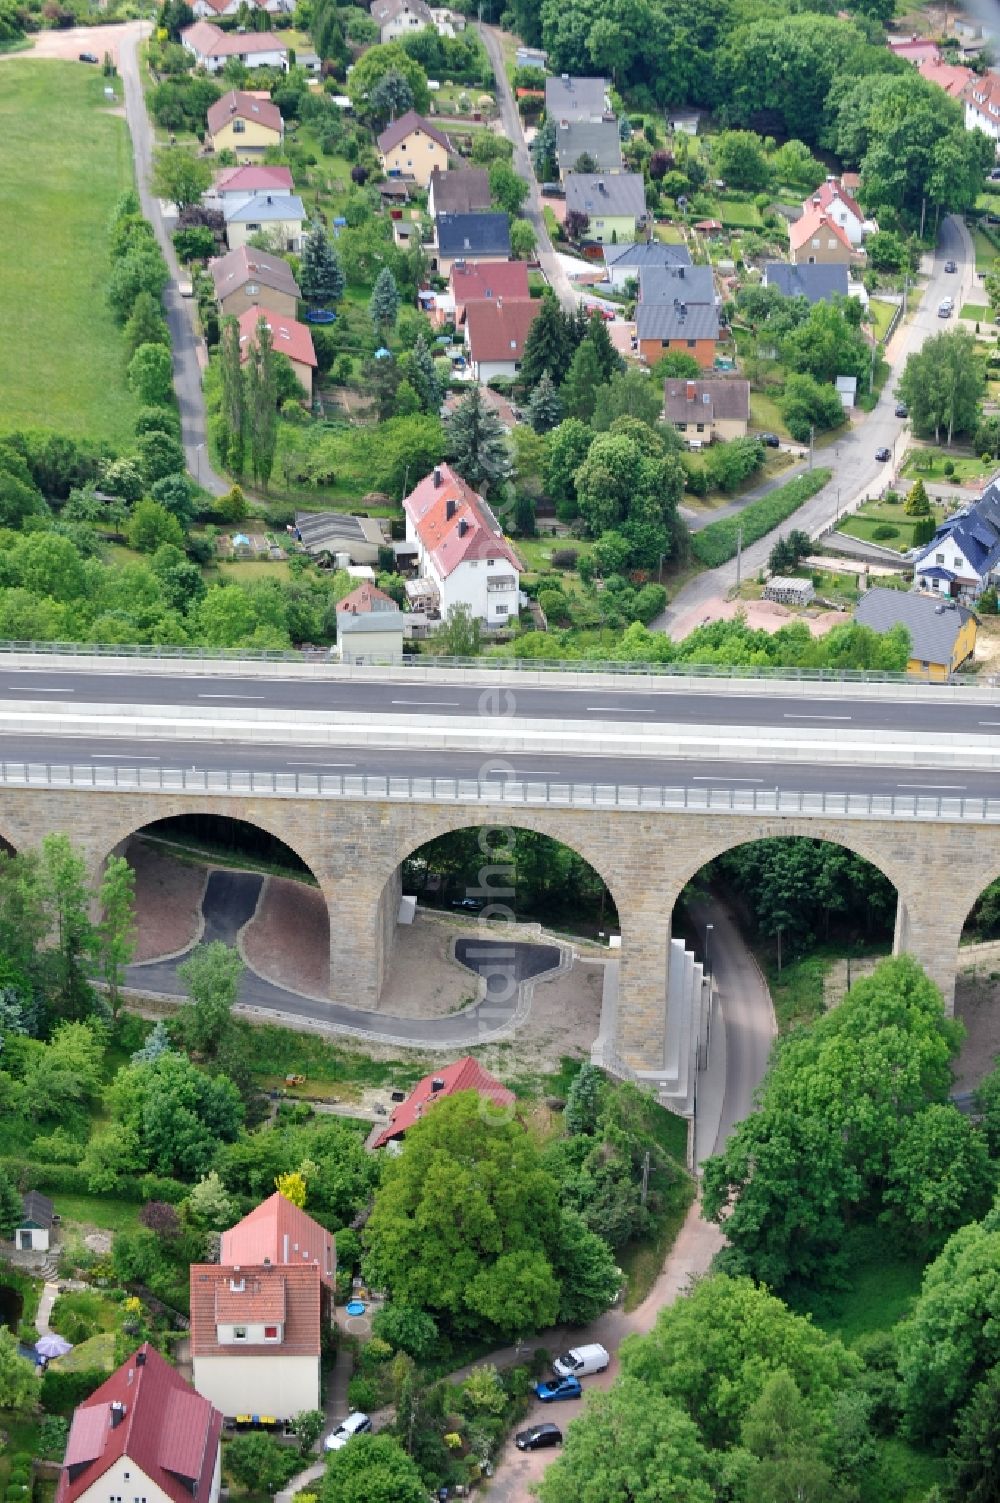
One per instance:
(384,303)
(262,403)
(423,377)
(545,407)
(597,335)
(10,1207)
(547,347)
(320,277)
(477,443)
(234,404)
(579,390)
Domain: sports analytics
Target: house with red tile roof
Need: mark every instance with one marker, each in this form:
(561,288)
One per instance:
(144,1434)
(495,335)
(833,199)
(237,184)
(486,282)
(258,1315)
(412,148)
(817,239)
(211,47)
(982,105)
(915,50)
(289,338)
(463,556)
(244,124)
(951,77)
(464,1075)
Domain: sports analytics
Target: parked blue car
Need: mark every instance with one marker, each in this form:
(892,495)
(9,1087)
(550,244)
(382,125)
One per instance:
(558,1388)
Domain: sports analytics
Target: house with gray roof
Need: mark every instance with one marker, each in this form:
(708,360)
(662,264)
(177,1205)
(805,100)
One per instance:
(595,141)
(471,237)
(280,215)
(568,98)
(662,284)
(703,411)
(464,191)
(819,283)
(615,205)
(942,633)
(623,263)
(963,557)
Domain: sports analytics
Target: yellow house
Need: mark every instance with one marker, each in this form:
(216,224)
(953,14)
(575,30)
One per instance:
(245,124)
(413,148)
(703,411)
(942,633)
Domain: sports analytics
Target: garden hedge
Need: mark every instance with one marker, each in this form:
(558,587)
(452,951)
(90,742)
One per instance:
(717,543)
(71,1179)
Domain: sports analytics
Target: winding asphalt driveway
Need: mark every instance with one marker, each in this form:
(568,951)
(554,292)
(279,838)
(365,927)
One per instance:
(230,902)
(187,368)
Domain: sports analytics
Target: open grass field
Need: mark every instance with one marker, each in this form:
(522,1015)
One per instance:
(985,251)
(966,467)
(66,159)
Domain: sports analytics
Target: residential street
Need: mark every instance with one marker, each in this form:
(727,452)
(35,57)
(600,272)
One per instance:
(548,260)
(856,472)
(187,369)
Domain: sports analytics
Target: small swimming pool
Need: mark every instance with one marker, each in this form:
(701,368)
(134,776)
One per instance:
(355,1307)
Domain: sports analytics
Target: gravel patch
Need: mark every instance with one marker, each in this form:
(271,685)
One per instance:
(977,1003)
(168,896)
(288,939)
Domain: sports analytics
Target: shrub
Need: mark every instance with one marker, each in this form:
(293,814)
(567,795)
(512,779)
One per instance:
(948,467)
(884,531)
(565,558)
(717,543)
(362,1393)
(62,1391)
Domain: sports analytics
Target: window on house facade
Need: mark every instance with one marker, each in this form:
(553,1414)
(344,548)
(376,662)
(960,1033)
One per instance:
(239,1333)
(251,289)
(502,610)
(270,1333)
(239,127)
(691,343)
(700,427)
(939,558)
(253,228)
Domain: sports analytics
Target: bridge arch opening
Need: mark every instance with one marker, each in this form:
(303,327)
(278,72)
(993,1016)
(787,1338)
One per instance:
(977,989)
(202,876)
(815,913)
(496,906)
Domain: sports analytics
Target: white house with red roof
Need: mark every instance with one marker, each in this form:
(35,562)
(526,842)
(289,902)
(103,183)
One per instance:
(462,552)
(258,1315)
(237,185)
(289,338)
(211,47)
(464,1075)
(833,200)
(144,1436)
(982,105)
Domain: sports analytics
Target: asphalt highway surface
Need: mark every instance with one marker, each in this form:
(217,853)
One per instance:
(670,703)
(62,751)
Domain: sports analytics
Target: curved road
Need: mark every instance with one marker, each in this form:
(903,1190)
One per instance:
(856,471)
(230,902)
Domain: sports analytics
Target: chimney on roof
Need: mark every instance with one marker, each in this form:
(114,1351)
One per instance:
(463,528)
(680,272)
(437,476)
(691,391)
(437,1084)
(117,1413)
(449,509)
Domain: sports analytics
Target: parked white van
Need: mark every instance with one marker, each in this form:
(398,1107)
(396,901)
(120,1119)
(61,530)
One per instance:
(581,1361)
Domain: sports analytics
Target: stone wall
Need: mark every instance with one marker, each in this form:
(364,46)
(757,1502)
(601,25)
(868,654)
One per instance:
(355,848)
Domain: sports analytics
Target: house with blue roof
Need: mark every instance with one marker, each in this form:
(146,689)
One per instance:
(963,557)
(469,238)
(280,215)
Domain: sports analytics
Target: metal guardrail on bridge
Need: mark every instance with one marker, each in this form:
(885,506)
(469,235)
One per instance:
(324,655)
(508,792)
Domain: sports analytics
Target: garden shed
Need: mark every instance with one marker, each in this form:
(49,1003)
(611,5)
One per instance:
(788,591)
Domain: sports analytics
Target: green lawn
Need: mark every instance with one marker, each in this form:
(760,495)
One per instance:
(670,234)
(966,467)
(97,1210)
(765,416)
(66,159)
(980,313)
(881,315)
(985,251)
(742,212)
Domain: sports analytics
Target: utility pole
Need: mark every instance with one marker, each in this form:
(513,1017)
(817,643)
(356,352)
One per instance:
(812,436)
(906,291)
(739,555)
(645,1177)
(923,214)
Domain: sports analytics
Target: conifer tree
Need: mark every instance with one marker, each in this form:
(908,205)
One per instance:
(234,406)
(547,347)
(262,403)
(579,390)
(423,377)
(477,443)
(545,407)
(321,277)
(597,335)
(384,303)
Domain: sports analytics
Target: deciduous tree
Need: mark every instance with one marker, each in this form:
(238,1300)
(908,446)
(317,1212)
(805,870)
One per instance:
(179,176)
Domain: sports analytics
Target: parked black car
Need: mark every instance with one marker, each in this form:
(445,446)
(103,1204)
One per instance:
(89,57)
(770,440)
(883,455)
(951,266)
(538,1438)
(902,410)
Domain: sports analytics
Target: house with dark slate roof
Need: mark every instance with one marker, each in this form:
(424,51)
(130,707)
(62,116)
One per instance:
(963,557)
(471,237)
(677,310)
(625,263)
(819,283)
(597,140)
(568,98)
(942,633)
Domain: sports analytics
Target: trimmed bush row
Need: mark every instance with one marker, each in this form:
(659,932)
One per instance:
(73,1180)
(717,542)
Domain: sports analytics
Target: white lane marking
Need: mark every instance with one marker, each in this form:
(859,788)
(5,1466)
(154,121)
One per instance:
(37,689)
(120,756)
(989,722)
(617,709)
(232,696)
(802,715)
(453,703)
(957,787)
(723,779)
(322,764)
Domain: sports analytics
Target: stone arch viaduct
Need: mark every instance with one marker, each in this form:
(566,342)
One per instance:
(354,847)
